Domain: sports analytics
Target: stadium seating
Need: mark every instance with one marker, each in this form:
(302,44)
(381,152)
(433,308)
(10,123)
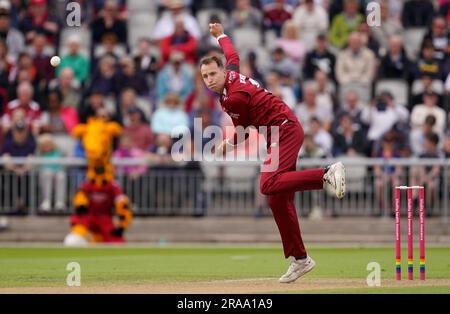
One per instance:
(246,39)
(398,88)
(412,39)
(204,15)
(140,25)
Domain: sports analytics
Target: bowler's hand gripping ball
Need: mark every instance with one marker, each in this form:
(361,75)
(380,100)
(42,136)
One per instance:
(55,61)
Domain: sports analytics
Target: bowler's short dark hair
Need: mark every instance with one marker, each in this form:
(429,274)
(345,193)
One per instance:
(210,59)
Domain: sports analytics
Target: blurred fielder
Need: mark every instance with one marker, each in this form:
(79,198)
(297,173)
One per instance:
(250,105)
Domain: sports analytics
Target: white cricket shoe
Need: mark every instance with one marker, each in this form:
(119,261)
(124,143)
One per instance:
(297,269)
(335,178)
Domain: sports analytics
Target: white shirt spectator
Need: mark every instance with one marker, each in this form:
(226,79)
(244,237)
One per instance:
(320,111)
(382,121)
(420,112)
(310,22)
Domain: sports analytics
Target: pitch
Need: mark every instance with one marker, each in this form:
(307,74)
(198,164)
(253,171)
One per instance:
(209,269)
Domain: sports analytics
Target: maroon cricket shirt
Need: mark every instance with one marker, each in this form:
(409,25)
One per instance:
(245,101)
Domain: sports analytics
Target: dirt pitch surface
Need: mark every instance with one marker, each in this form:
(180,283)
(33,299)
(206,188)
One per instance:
(263,285)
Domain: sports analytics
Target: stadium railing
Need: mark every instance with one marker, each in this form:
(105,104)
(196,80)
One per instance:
(230,188)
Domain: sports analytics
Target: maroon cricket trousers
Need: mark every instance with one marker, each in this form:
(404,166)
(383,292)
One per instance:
(281,184)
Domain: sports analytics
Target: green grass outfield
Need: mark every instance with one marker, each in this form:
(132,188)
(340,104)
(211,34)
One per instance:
(35,267)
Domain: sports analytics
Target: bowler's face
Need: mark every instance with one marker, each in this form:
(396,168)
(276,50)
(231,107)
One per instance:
(213,76)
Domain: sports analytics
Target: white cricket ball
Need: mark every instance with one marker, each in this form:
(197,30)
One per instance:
(55,61)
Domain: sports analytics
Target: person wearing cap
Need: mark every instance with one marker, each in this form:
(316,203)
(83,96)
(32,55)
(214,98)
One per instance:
(311,20)
(180,40)
(176,76)
(320,58)
(165,26)
(37,20)
(79,64)
(429,107)
(13,38)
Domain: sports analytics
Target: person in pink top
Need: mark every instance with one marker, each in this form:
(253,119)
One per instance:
(291,43)
(138,130)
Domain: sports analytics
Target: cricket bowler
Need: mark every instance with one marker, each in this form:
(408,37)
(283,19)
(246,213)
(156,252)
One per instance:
(250,105)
